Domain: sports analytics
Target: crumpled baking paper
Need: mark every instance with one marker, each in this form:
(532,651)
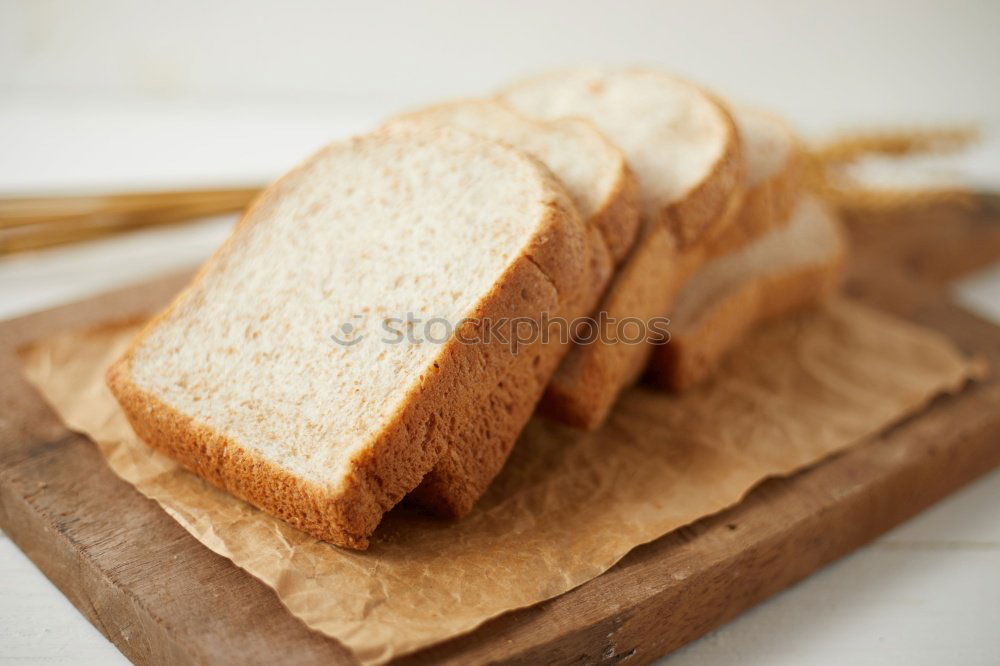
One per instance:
(568,505)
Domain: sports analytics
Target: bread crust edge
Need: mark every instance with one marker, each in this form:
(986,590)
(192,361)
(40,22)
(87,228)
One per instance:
(693,356)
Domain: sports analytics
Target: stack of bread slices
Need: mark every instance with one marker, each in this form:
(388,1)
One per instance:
(345,347)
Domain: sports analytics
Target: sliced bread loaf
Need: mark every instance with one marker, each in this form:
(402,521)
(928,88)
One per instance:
(599,181)
(784,269)
(274,376)
(684,148)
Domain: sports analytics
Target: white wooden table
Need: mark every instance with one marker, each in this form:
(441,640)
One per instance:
(926,593)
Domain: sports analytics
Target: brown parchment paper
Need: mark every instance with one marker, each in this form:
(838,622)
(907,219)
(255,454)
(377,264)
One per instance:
(568,505)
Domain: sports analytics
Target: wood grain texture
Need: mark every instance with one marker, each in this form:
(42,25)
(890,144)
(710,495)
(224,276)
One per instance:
(163,598)
(939,244)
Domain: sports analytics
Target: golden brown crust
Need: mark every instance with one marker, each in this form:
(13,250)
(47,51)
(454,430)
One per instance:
(618,221)
(587,382)
(415,436)
(694,353)
(701,211)
(478,453)
(766,206)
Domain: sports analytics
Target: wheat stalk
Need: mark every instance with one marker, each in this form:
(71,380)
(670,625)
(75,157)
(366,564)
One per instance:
(31,223)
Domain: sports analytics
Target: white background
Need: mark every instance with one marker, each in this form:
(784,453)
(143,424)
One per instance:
(116,95)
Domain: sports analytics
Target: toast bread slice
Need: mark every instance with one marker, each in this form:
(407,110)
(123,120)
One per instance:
(786,268)
(774,160)
(239,380)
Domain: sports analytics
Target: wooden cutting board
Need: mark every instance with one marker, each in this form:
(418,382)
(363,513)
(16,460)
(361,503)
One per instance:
(161,597)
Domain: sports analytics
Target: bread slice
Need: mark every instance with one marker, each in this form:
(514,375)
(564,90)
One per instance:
(604,190)
(773,156)
(678,139)
(685,151)
(240,381)
(786,268)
